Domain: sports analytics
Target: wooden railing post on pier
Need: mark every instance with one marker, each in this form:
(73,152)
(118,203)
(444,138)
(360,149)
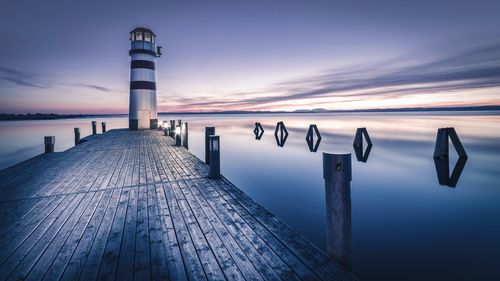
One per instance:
(103,124)
(185,135)
(209,131)
(49,142)
(178,135)
(338,176)
(214,171)
(94,127)
(172,128)
(77,135)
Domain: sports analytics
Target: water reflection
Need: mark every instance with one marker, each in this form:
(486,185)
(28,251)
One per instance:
(280,134)
(443,170)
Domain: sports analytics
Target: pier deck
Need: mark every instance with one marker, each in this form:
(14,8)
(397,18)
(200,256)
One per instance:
(130,205)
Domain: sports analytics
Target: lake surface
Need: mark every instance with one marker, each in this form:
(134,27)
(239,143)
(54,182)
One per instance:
(405,224)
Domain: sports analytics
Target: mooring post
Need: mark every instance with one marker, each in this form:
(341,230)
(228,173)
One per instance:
(214,171)
(179,122)
(49,142)
(166,131)
(185,135)
(178,135)
(77,135)
(208,132)
(172,128)
(103,124)
(94,127)
(337,175)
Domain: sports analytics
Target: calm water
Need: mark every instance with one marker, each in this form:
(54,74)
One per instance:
(405,225)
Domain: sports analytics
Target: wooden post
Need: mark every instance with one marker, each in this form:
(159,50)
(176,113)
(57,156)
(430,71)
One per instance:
(178,135)
(103,125)
(172,128)
(337,175)
(185,135)
(208,132)
(94,127)
(49,142)
(77,135)
(166,131)
(214,171)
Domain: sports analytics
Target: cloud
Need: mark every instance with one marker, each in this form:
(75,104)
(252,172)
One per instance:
(23,78)
(95,87)
(462,70)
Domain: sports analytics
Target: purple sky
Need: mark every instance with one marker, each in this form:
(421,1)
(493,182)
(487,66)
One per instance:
(68,57)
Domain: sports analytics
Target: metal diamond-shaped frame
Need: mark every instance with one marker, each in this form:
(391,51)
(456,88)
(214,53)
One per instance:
(313,130)
(280,134)
(362,155)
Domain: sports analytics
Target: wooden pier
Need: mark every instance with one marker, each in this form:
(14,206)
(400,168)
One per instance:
(130,205)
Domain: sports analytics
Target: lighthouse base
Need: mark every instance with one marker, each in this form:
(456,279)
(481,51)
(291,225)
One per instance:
(133,124)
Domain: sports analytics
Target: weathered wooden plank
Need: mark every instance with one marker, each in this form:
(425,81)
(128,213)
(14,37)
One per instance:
(142,269)
(44,232)
(125,268)
(111,253)
(175,263)
(159,262)
(191,260)
(207,258)
(56,269)
(77,261)
(42,258)
(94,255)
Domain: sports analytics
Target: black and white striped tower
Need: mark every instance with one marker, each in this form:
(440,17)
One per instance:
(143,112)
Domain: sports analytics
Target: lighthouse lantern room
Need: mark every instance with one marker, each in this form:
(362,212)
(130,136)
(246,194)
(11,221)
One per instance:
(143,112)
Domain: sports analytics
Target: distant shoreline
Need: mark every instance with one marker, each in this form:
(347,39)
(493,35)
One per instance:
(53,116)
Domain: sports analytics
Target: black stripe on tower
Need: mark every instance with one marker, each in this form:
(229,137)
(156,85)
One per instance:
(142,85)
(142,64)
(141,51)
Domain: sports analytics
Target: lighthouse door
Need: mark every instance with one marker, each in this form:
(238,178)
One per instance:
(143,119)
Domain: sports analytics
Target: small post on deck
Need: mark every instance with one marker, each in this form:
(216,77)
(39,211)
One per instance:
(77,135)
(209,131)
(172,128)
(337,175)
(103,125)
(166,131)
(94,127)
(185,135)
(214,171)
(178,135)
(49,142)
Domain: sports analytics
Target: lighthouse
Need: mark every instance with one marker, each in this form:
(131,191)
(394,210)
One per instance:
(143,112)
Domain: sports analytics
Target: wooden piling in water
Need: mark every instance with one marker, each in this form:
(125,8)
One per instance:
(209,131)
(337,175)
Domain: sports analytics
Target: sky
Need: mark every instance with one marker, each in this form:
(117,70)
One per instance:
(72,56)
